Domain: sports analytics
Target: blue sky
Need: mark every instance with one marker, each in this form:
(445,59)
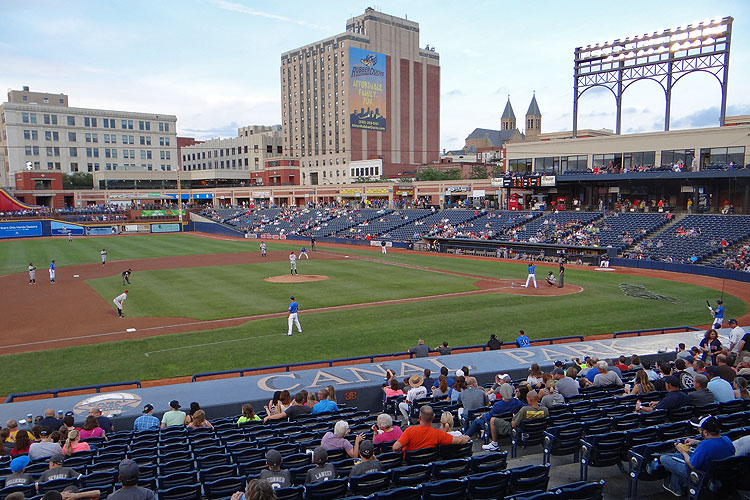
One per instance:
(215,63)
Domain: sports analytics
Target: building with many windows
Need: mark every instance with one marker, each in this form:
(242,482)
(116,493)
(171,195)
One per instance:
(39,131)
(370,94)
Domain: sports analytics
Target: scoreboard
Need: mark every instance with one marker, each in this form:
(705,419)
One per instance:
(525,182)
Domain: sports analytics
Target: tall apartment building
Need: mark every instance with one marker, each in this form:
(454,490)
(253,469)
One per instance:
(234,158)
(370,93)
(39,130)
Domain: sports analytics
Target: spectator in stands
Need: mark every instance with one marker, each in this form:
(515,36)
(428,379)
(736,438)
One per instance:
(682,352)
(622,363)
(635,363)
(590,371)
(331,393)
(12,426)
(566,386)
(424,435)
(324,403)
(312,399)
(369,462)
(275,475)
(57,471)
(21,444)
(522,340)
(536,376)
(674,398)
(428,380)
(471,398)
(712,446)
(104,422)
(18,476)
(50,421)
(740,388)
(444,349)
(336,440)
(91,428)
(384,430)
(442,390)
(735,336)
(494,344)
(248,414)
(417,391)
(444,371)
(686,379)
(298,408)
(447,422)
(273,404)
(45,447)
(710,346)
(128,473)
(701,395)
(73,444)
(199,421)
(394,389)
(322,471)
(420,350)
(530,411)
(147,421)
(720,388)
(174,416)
(666,370)
(725,370)
(605,377)
(744,366)
(454,393)
(641,385)
(506,406)
(549,395)
(194,407)
(285,400)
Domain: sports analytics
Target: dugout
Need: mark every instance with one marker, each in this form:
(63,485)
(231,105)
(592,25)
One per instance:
(537,251)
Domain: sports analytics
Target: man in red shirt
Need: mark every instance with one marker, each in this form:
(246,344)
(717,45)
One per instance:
(425,435)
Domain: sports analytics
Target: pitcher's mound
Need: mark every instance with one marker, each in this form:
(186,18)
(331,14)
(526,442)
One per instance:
(297,278)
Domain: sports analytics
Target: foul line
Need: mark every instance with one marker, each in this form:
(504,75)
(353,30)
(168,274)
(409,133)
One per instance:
(210,343)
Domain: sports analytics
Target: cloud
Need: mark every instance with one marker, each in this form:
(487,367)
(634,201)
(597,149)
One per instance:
(635,130)
(501,91)
(455,93)
(471,53)
(708,117)
(243,9)
(228,130)
(630,109)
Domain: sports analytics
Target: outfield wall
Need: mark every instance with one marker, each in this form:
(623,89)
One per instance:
(714,272)
(52,227)
(356,385)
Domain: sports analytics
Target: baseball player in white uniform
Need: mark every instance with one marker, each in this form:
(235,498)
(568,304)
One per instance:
(32,274)
(104,256)
(52,272)
(293,308)
(262,248)
(292,263)
(118,302)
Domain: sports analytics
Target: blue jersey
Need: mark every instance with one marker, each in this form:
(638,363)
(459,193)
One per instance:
(303,250)
(52,265)
(523,341)
(293,306)
(532,269)
(719,312)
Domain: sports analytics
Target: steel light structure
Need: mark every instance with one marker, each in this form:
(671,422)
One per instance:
(664,57)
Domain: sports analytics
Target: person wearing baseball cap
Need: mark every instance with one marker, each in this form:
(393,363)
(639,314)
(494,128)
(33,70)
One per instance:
(128,473)
(57,471)
(720,388)
(369,463)
(712,446)
(147,421)
(322,471)
(674,399)
(417,391)
(45,447)
(18,477)
(278,477)
(174,416)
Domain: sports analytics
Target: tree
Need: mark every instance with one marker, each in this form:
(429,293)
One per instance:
(430,174)
(478,172)
(78,180)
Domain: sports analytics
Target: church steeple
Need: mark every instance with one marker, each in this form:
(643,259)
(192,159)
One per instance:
(533,121)
(508,118)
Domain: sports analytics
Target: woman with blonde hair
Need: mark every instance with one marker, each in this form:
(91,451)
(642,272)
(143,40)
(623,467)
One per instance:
(312,399)
(536,376)
(642,384)
(74,444)
(446,424)
(199,421)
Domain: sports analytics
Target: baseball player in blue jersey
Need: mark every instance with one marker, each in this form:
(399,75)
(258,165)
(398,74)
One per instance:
(293,308)
(532,275)
(302,252)
(718,313)
(52,272)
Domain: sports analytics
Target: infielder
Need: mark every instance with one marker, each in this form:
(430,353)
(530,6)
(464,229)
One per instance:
(531,276)
(262,248)
(70,235)
(302,252)
(104,256)
(292,263)
(383,248)
(126,276)
(293,308)
(32,274)
(118,302)
(52,272)
(717,312)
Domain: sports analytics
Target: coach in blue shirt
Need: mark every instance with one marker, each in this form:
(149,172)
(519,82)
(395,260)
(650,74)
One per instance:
(522,340)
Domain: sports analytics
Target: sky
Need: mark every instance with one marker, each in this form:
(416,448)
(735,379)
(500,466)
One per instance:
(215,63)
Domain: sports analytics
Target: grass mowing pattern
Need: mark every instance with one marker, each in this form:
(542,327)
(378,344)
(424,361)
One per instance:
(601,308)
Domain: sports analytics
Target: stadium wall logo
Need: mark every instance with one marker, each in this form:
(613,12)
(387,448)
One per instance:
(111,403)
(642,292)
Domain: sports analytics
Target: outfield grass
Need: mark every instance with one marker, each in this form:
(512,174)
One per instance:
(238,290)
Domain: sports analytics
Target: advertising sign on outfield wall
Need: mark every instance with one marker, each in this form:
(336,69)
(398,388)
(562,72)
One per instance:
(165,228)
(61,228)
(367,89)
(161,213)
(20,229)
(101,230)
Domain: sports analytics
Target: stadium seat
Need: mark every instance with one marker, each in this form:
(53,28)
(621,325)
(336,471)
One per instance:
(639,458)
(600,425)
(175,466)
(332,488)
(729,422)
(487,486)
(679,414)
(450,469)
(529,478)
(28,490)
(601,450)
(343,467)
(390,460)
(167,481)
(290,493)
(528,433)
(534,495)
(224,487)
(625,422)
(730,407)
(448,489)
(97,480)
(421,456)
(722,479)
(708,409)
(490,462)
(403,493)
(184,492)
(451,451)
(654,417)
(57,485)
(581,491)
(674,430)
(217,472)
(369,483)
(411,475)
(562,440)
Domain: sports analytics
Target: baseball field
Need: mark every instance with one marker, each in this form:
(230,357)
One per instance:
(198,303)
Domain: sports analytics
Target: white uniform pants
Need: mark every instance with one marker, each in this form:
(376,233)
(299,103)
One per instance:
(383,249)
(403,407)
(294,321)
(531,277)
(52,275)
(305,254)
(605,263)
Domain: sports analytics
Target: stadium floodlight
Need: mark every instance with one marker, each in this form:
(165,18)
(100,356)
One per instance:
(662,56)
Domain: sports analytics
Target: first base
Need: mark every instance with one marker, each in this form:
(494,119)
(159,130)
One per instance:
(76,276)
(130,330)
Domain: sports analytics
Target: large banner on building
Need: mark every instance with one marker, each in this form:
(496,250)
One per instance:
(367,89)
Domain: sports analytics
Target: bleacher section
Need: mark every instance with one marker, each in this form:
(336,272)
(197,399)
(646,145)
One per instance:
(491,226)
(433,224)
(623,229)
(328,226)
(736,257)
(555,227)
(382,225)
(697,236)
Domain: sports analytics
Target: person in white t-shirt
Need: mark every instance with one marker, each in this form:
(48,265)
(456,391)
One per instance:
(735,335)
(417,391)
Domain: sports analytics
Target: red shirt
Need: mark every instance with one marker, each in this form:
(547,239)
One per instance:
(422,436)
